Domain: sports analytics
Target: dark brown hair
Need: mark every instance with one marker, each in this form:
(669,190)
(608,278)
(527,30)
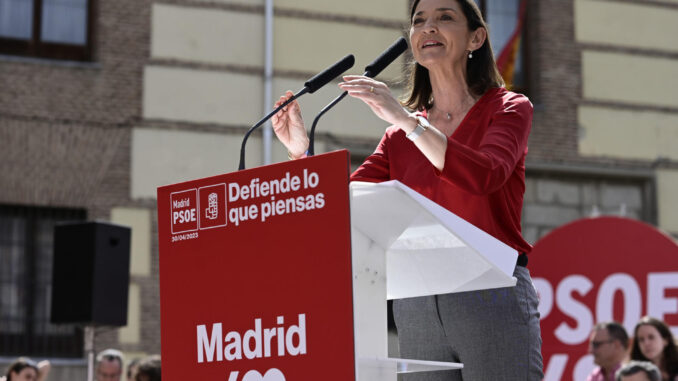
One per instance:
(669,360)
(149,369)
(481,70)
(616,332)
(20,364)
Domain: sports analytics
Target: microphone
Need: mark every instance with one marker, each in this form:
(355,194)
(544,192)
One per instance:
(372,70)
(310,86)
(389,55)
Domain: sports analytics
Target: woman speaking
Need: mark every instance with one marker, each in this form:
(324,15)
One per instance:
(464,147)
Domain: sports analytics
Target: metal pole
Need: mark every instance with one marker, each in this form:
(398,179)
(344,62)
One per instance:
(89,350)
(268,79)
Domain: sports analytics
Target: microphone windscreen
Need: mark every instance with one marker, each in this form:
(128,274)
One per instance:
(385,59)
(322,78)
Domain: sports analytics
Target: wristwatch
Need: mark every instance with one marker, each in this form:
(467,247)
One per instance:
(422,126)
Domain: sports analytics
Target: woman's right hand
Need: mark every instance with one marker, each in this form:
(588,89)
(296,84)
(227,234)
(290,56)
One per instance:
(289,127)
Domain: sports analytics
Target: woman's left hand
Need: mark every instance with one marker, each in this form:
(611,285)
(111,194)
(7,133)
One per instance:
(43,370)
(378,97)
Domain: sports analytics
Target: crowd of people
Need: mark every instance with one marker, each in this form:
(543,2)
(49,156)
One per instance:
(110,366)
(650,355)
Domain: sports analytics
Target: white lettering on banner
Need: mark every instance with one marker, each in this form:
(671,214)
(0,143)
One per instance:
(271,207)
(184,216)
(185,203)
(242,213)
(271,375)
(254,343)
(310,180)
(184,237)
(209,346)
(555,368)
(257,188)
(658,305)
(291,205)
(629,289)
(583,367)
(574,309)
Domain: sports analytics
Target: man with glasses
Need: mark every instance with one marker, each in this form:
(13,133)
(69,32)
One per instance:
(608,344)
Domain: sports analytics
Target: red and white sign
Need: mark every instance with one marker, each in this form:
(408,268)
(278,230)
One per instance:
(255,274)
(596,270)
(212,206)
(184,208)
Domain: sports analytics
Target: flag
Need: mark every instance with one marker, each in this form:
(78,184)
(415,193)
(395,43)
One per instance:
(506,62)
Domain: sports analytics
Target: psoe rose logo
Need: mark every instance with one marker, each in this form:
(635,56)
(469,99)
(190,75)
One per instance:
(272,374)
(212,206)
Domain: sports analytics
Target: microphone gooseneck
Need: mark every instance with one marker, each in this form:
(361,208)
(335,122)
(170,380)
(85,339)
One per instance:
(372,70)
(313,84)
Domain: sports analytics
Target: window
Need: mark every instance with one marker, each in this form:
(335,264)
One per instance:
(58,29)
(503,17)
(26,238)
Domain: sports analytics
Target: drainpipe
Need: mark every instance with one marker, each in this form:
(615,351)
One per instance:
(268,78)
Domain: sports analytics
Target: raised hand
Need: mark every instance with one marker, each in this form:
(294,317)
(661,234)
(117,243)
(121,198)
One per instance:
(43,370)
(289,127)
(378,97)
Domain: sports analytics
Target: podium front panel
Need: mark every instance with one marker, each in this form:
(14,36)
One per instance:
(255,274)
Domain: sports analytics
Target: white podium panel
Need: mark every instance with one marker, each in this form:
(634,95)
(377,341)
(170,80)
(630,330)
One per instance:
(404,245)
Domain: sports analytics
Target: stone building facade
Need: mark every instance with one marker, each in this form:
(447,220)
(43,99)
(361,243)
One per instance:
(173,84)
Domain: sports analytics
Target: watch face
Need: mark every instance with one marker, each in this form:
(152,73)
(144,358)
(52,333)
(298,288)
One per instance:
(423,122)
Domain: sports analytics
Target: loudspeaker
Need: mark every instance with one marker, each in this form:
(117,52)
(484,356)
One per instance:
(90,277)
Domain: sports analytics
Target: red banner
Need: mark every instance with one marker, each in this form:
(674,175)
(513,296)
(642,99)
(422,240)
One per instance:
(596,270)
(255,274)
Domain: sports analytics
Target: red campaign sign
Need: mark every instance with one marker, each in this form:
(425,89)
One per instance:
(595,270)
(214,206)
(255,274)
(184,207)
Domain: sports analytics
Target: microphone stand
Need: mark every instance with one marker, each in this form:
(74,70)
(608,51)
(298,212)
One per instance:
(372,70)
(325,109)
(241,166)
(313,84)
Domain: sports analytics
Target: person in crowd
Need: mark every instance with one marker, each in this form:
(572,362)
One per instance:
(608,343)
(132,369)
(639,371)
(109,365)
(25,369)
(463,146)
(149,369)
(653,341)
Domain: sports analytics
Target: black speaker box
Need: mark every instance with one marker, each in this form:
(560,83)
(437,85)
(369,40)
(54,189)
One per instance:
(90,278)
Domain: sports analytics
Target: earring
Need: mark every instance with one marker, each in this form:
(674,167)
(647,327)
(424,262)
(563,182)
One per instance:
(470,54)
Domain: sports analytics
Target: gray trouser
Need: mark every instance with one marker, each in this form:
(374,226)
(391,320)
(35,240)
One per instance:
(494,333)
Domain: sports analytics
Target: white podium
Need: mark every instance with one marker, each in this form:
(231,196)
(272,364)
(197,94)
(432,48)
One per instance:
(405,245)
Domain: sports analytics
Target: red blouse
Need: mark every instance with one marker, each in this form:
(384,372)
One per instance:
(483,180)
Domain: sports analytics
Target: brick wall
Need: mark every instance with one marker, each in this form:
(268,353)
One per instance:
(65,139)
